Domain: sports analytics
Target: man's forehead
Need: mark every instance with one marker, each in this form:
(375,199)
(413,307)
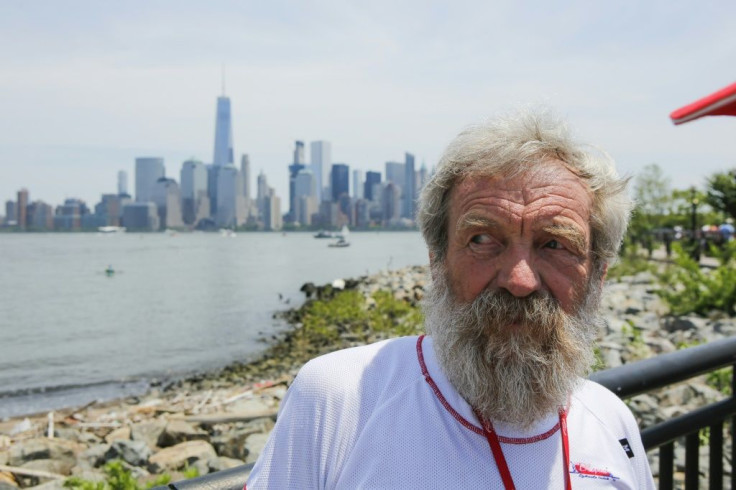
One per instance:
(552,177)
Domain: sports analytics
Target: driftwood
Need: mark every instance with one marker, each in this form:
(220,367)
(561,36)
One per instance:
(224,418)
(26,472)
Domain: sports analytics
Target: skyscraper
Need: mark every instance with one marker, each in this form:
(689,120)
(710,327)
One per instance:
(409,186)
(21,209)
(299,152)
(305,197)
(294,169)
(193,191)
(147,172)
(223,133)
(122,182)
(321,161)
(358,184)
(370,192)
(167,197)
(340,180)
(231,209)
(245,171)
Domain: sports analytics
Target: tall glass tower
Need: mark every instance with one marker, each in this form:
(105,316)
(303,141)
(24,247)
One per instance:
(223,134)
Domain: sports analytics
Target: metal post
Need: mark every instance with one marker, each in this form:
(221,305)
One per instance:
(666,466)
(692,460)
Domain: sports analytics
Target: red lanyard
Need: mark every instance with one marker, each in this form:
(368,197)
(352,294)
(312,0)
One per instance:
(503,467)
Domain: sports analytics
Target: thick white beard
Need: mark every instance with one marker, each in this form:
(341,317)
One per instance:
(518,374)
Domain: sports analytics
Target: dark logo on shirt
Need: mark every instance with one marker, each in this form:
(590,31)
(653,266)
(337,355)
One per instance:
(627,447)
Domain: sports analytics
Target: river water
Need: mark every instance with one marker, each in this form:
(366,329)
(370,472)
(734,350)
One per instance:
(176,304)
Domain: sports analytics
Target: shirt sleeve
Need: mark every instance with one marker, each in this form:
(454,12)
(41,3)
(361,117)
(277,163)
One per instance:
(291,456)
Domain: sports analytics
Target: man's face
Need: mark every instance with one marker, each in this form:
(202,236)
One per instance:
(523,234)
(513,309)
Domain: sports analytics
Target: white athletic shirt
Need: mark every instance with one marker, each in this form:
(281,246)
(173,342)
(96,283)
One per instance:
(385,416)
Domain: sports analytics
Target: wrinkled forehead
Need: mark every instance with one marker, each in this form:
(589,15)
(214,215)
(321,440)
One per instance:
(547,178)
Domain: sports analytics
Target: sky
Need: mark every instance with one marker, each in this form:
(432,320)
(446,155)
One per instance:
(88,86)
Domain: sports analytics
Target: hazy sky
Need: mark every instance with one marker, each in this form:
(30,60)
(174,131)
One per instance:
(86,86)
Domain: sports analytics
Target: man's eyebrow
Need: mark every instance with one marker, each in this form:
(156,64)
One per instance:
(474,221)
(571,233)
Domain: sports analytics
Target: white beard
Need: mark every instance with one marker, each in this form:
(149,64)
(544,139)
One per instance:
(515,374)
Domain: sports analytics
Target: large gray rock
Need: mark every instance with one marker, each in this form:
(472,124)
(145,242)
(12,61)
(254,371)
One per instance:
(681,323)
(40,448)
(94,456)
(149,432)
(223,463)
(178,431)
(181,455)
(135,453)
(50,485)
(56,466)
(254,446)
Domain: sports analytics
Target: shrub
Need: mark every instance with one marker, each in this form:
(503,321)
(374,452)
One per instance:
(690,289)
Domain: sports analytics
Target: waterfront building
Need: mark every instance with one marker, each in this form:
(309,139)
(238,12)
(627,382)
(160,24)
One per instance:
(328,216)
(110,209)
(396,173)
(231,205)
(357,184)
(11,213)
(272,212)
(69,215)
(147,172)
(345,215)
(299,153)
(40,216)
(167,197)
(245,171)
(321,162)
(213,176)
(141,216)
(422,179)
(262,192)
(362,213)
(193,188)
(305,196)
(372,186)
(294,169)
(390,204)
(340,184)
(306,210)
(22,204)
(409,187)
(223,154)
(122,182)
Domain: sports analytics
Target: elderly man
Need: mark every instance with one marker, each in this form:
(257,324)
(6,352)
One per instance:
(521,223)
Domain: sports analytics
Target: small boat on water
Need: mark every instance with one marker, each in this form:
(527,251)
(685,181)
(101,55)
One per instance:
(109,271)
(324,234)
(111,229)
(342,240)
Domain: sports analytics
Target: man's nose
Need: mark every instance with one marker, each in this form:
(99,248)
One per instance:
(518,275)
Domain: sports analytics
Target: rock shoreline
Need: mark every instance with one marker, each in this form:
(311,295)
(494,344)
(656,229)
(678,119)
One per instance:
(214,421)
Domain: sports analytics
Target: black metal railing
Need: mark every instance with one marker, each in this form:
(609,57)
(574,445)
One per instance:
(666,369)
(626,381)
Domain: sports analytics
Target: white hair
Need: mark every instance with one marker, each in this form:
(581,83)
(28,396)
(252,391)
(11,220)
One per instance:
(512,144)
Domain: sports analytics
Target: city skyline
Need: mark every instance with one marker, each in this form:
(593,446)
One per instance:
(86,88)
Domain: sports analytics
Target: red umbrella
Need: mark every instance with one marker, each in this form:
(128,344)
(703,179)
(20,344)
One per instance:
(721,103)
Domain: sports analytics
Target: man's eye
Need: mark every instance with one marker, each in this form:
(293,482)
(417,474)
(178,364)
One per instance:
(553,244)
(480,239)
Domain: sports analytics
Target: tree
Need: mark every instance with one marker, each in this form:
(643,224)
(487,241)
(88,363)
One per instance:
(653,195)
(721,192)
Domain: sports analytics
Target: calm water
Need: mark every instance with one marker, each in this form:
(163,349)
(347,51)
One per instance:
(70,334)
